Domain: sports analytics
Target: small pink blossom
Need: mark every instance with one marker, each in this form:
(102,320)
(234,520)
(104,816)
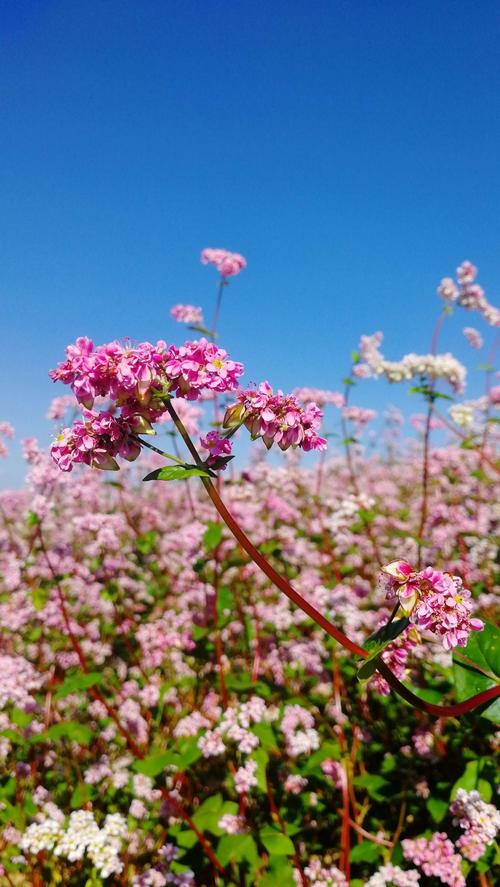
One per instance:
(187,314)
(473,337)
(277,418)
(227,264)
(217,446)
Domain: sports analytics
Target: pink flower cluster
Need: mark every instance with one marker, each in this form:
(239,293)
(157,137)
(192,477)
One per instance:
(187,314)
(227,264)
(216,445)
(199,365)
(319,396)
(277,418)
(6,430)
(468,294)
(480,822)
(298,729)
(473,337)
(95,440)
(434,601)
(436,857)
(395,656)
(358,415)
(125,373)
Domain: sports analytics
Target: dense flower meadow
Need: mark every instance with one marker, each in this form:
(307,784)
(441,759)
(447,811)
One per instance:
(285,672)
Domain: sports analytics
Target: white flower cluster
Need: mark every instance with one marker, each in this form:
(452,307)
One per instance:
(392,874)
(432,366)
(81,836)
(480,821)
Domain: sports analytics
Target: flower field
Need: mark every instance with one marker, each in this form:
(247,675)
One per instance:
(283,672)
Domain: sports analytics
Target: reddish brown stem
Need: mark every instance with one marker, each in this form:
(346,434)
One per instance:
(283,585)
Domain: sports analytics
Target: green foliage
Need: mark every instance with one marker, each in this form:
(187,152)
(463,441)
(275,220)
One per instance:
(78,682)
(177,472)
(477,668)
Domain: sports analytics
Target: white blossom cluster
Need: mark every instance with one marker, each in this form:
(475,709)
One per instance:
(81,836)
(479,820)
(432,366)
(393,875)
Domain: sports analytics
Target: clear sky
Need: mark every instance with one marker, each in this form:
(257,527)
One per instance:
(348,149)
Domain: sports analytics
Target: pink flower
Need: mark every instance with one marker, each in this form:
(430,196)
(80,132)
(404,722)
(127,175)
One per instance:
(227,264)
(436,857)
(473,337)
(95,440)
(277,418)
(187,314)
(434,600)
(216,445)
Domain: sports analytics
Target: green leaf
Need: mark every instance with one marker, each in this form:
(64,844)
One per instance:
(437,808)
(32,520)
(377,642)
(261,757)
(280,872)
(208,814)
(71,730)
(275,842)
(80,796)
(20,717)
(78,682)
(152,765)
(468,780)
(237,848)
(39,597)
(266,735)
(200,329)
(212,536)
(476,667)
(373,783)
(177,472)
(186,838)
(367,851)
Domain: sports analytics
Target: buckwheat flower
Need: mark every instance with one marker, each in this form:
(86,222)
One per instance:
(138,809)
(448,290)
(479,820)
(277,418)
(399,580)
(320,873)
(358,415)
(60,406)
(298,729)
(212,744)
(394,876)
(473,337)
(462,414)
(466,273)
(334,771)
(433,600)
(231,824)
(227,264)
(6,429)
(436,857)
(244,778)
(187,314)
(319,396)
(217,446)
(295,783)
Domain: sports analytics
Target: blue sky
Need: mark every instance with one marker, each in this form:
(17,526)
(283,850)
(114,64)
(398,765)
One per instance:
(348,149)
